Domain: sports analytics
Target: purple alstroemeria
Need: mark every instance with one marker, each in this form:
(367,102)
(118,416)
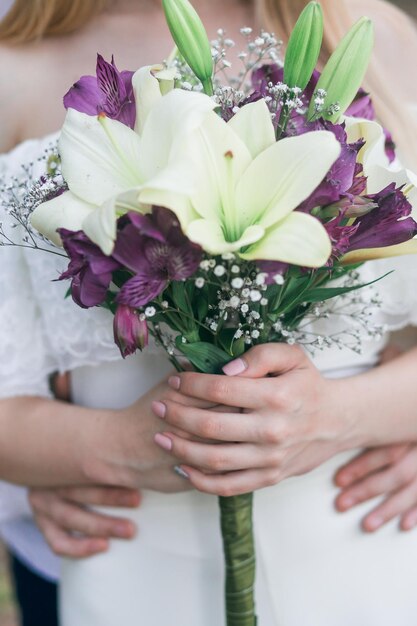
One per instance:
(342,176)
(109,92)
(383,219)
(388,224)
(130,330)
(155,249)
(89,269)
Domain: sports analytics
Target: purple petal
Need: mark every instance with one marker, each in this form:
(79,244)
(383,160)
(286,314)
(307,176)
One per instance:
(129,248)
(145,225)
(140,290)
(388,224)
(84,96)
(130,332)
(390,146)
(362,106)
(88,290)
(111,85)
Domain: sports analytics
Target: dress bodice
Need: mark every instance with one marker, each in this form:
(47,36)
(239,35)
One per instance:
(43,332)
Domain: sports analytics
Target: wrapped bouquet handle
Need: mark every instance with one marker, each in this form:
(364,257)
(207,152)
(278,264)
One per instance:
(239,551)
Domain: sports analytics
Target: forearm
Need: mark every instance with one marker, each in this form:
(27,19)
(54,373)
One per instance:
(381,405)
(45,442)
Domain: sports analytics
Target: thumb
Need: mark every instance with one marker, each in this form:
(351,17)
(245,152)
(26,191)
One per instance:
(268,359)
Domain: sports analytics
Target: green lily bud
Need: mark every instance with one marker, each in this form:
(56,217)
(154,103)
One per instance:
(191,39)
(344,72)
(304,47)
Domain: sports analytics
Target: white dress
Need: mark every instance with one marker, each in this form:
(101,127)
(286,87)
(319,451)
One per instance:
(315,567)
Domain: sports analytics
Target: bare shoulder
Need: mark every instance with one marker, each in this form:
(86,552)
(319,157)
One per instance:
(33,80)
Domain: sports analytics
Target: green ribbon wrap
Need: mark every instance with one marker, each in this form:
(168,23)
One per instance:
(239,552)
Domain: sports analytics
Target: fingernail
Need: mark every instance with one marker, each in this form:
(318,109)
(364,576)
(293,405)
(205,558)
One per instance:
(159,408)
(124,531)
(163,441)
(236,367)
(347,502)
(374,522)
(343,479)
(99,545)
(174,382)
(182,473)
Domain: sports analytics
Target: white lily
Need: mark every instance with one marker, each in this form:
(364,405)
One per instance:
(248,185)
(105,163)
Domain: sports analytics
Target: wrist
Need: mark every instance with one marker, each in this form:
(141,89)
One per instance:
(344,407)
(97,449)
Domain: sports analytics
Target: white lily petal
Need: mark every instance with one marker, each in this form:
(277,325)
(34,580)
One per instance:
(253,124)
(147,92)
(168,124)
(172,189)
(100,159)
(373,152)
(299,239)
(219,159)
(101,225)
(209,234)
(65,211)
(285,175)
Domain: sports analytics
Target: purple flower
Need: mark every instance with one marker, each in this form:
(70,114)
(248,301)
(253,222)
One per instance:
(110,92)
(130,331)
(388,224)
(383,219)
(362,106)
(390,146)
(156,250)
(89,269)
(343,175)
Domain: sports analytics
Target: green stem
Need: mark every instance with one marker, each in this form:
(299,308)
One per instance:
(208,86)
(239,551)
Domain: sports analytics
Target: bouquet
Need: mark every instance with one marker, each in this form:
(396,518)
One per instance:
(215,217)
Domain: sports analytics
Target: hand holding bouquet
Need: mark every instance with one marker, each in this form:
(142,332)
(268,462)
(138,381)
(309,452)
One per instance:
(217,217)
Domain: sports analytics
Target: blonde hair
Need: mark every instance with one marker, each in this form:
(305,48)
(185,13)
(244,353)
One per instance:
(29,20)
(34,19)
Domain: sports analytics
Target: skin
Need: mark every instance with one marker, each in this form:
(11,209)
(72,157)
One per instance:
(64,438)
(56,64)
(293,419)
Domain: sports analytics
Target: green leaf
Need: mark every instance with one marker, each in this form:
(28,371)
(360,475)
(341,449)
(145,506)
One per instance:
(326,293)
(204,356)
(346,68)
(304,47)
(179,298)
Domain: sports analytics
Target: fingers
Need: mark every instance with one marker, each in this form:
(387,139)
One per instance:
(368,462)
(64,544)
(271,358)
(60,518)
(217,458)
(394,506)
(116,497)
(221,389)
(232,484)
(211,425)
(409,519)
(383,482)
